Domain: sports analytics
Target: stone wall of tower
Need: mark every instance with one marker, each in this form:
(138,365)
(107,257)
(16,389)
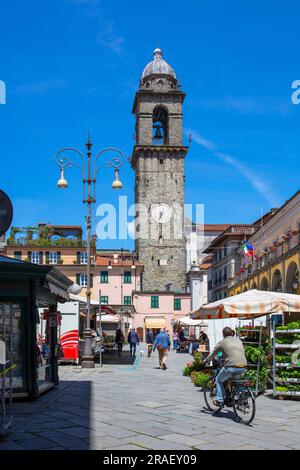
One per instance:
(144,112)
(160,179)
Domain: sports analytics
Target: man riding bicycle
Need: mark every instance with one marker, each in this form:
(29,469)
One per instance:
(234,361)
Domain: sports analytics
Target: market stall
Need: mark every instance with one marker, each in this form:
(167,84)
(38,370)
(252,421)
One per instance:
(24,287)
(255,304)
(189,332)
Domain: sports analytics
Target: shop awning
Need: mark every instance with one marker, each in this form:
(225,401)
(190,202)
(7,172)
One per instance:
(155,322)
(58,291)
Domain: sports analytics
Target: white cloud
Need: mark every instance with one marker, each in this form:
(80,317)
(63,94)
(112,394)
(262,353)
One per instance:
(107,35)
(257,182)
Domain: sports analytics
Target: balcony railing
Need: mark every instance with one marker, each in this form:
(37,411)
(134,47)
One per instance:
(42,242)
(243,229)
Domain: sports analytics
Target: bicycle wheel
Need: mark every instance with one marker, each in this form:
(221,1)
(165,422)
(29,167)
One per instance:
(243,404)
(210,394)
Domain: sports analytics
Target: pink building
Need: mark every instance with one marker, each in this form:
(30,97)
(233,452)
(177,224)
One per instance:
(116,276)
(159,309)
(119,278)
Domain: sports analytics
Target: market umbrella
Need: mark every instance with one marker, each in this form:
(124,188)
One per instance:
(252,303)
(188,321)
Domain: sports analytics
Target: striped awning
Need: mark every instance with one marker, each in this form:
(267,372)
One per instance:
(252,303)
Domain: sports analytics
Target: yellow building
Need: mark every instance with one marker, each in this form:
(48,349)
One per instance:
(277,245)
(58,245)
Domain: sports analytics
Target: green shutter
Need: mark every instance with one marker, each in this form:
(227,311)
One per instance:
(127,300)
(59,257)
(47,257)
(154,301)
(78,257)
(78,279)
(177,304)
(41,256)
(127,277)
(104,299)
(104,277)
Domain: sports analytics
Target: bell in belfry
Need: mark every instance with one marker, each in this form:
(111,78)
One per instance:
(158,134)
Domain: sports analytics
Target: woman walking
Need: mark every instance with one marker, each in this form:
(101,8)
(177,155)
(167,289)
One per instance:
(120,340)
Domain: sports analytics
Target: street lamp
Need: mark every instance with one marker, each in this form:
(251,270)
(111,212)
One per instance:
(89,178)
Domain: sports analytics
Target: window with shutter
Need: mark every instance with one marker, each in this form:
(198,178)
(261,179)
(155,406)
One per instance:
(127,300)
(104,277)
(35,257)
(52,257)
(83,257)
(127,277)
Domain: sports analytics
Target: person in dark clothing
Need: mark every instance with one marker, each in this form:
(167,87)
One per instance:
(119,340)
(182,339)
(133,341)
(150,341)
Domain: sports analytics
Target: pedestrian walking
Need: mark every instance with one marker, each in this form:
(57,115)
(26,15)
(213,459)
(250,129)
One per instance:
(162,343)
(150,341)
(133,341)
(175,340)
(120,340)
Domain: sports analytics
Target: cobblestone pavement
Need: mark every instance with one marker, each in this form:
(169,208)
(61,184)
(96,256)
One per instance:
(142,407)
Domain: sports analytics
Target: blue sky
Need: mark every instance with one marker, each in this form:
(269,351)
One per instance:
(74,65)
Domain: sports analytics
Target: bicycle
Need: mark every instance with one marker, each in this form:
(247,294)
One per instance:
(238,396)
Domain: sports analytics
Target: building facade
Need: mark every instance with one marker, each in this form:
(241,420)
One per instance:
(158,309)
(198,239)
(116,277)
(226,261)
(58,245)
(158,163)
(277,245)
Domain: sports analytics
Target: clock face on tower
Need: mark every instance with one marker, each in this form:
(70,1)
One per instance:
(161,213)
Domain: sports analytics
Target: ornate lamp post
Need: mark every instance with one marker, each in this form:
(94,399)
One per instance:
(89,178)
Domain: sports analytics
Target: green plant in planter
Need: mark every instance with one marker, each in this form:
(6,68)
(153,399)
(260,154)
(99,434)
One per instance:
(198,361)
(199,378)
(186,371)
(254,354)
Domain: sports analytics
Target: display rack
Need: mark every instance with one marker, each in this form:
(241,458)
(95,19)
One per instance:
(6,336)
(286,376)
(258,337)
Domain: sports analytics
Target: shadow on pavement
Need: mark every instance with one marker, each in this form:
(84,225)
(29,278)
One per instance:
(112,357)
(58,420)
(223,414)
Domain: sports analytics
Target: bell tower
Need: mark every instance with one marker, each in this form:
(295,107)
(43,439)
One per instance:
(158,163)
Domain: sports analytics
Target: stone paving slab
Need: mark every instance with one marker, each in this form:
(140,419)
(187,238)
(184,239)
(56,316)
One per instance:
(118,407)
